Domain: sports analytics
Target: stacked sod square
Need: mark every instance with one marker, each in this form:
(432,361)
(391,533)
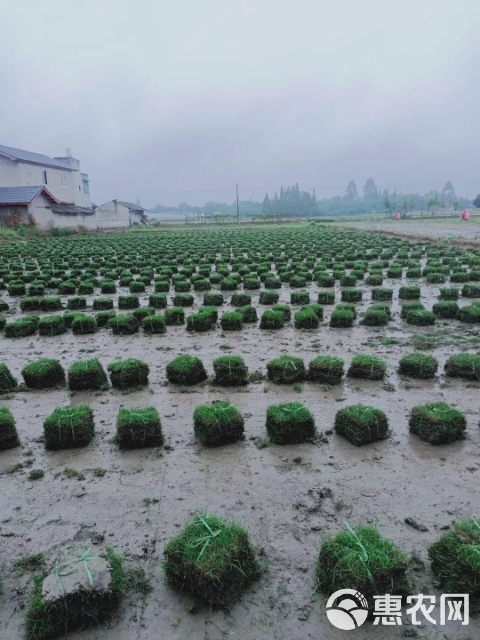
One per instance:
(87,375)
(361,559)
(8,430)
(128,374)
(138,428)
(212,560)
(186,370)
(455,561)
(230,371)
(286,370)
(83,590)
(7,382)
(46,373)
(361,424)
(69,428)
(218,423)
(290,423)
(437,423)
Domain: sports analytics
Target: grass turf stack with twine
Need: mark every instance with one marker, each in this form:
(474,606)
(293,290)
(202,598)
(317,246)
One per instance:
(153,324)
(463,365)
(8,430)
(46,373)
(218,423)
(418,365)
(87,375)
(290,423)
(186,370)
(231,321)
(125,324)
(128,374)
(341,318)
(446,309)
(361,559)
(103,317)
(21,328)
(83,325)
(211,560)
(306,318)
(69,428)
(200,322)
(249,314)
(81,592)
(138,428)
(326,369)
(361,425)
(7,382)
(437,423)
(469,313)
(382,293)
(421,318)
(286,370)
(456,561)
(375,318)
(366,366)
(230,371)
(272,319)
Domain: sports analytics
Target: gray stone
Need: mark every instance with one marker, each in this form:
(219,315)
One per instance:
(71,576)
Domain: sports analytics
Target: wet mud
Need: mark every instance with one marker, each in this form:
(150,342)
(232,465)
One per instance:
(289,498)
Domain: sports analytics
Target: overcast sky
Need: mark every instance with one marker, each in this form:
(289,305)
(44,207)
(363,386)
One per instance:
(173,101)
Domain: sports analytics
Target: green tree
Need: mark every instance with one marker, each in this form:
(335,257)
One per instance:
(370,191)
(448,194)
(351,192)
(267,206)
(476,202)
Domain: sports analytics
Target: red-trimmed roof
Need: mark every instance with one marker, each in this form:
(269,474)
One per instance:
(23,196)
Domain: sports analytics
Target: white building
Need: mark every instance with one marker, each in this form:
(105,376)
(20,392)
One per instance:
(49,192)
(61,176)
(117,214)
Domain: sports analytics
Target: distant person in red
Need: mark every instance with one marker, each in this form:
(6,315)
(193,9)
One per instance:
(397,216)
(465,215)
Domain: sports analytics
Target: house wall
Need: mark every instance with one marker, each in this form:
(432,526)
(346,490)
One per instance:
(21,174)
(112,216)
(41,209)
(82,199)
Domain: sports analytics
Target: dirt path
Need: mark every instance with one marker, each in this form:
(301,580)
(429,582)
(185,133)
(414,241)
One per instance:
(464,233)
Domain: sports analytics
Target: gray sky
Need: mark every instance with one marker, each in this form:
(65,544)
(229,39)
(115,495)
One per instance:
(172,101)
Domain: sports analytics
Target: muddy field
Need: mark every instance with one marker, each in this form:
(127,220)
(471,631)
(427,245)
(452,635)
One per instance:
(435,228)
(289,498)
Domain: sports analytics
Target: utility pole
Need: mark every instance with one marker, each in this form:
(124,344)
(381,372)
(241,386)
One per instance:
(238,207)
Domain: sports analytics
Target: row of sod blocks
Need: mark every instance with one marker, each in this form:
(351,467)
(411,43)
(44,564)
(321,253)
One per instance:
(267,297)
(84,375)
(274,318)
(74,427)
(232,371)
(221,423)
(215,561)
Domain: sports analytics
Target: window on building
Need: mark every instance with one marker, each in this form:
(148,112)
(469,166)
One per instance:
(63,179)
(85,185)
(44,177)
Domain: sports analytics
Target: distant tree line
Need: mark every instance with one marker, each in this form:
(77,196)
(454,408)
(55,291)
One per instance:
(292,202)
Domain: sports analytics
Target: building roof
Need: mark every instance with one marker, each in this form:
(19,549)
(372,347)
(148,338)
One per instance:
(72,210)
(20,155)
(22,195)
(133,207)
